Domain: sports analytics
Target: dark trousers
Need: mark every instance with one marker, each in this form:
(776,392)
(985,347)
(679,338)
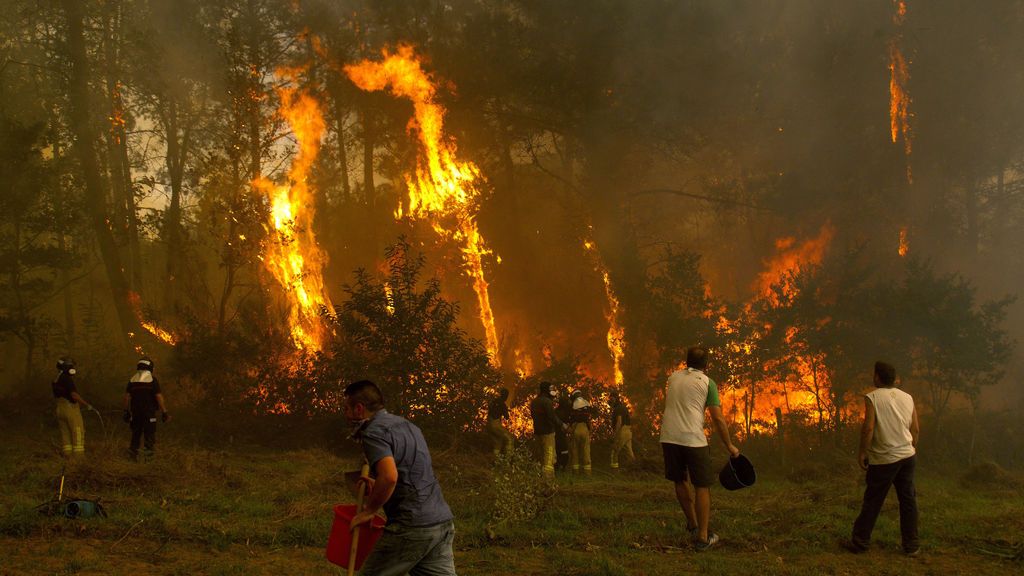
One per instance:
(879,479)
(142,424)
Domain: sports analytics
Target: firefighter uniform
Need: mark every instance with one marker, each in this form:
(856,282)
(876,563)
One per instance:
(69,413)
(545,425)
(144,399)
(496,411)
(623,440)
(579,430)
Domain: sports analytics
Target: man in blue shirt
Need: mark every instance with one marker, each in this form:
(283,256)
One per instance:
(419,533)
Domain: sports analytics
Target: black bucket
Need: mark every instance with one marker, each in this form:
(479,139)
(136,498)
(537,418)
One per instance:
(737,473)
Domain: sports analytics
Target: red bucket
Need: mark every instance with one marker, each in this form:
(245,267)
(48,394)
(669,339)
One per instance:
(339,544)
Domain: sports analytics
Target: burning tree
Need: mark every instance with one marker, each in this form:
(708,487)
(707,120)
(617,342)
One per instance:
(400,332)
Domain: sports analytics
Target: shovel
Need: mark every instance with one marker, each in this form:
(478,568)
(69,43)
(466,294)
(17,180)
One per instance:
(360,492)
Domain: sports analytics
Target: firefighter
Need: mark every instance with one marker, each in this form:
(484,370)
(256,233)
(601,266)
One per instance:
(496,411)
(546,425)
(579,433)
(622,440)
(564,412)
(69,412)
(142,399)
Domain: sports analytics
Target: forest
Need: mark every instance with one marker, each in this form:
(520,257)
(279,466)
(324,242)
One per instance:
(272,199)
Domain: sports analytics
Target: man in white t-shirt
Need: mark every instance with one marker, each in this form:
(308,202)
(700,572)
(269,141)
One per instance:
(888,448)
(687,454)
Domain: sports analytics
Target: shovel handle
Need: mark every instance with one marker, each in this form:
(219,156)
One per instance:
(360,492)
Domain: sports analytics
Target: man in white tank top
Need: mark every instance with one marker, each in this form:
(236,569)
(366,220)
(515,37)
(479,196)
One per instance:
(888,448)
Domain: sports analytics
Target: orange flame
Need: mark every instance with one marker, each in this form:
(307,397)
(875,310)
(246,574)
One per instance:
(899,97)
(389,299)
(616,337)
(443,188)
(292,254)
(524,364)
(163,335)
(796,392)
(904,243)
(792,258)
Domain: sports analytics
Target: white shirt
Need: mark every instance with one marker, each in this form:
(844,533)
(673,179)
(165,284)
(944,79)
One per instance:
(892,440)
(687,396)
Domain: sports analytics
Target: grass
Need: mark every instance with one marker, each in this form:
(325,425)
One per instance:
(250,510)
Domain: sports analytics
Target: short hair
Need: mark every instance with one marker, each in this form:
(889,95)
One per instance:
(502,393)
(886,373)
(366,393)
(696,357)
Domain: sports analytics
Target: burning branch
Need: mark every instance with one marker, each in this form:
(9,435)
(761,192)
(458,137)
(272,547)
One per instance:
(443,189)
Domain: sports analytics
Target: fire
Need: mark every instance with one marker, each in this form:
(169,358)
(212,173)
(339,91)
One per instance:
(904,243)
(292,254)
(899,97)
(524,364)
(443,188)
(790,259)
(806,388)
(616,337)
(163,335)
(389,299)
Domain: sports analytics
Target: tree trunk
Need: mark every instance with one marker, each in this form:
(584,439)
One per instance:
(339,130)
(175,162)
(85,149)
(369,142)
(69,308)
(255,88)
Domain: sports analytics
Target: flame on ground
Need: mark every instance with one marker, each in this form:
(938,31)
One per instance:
(616,337)
(904,242)
(136,303)
(291,253)
(443,188)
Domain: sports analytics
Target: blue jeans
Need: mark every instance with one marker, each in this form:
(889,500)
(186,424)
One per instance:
(420,551)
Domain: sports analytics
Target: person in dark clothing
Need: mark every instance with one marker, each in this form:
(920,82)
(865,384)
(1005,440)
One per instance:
(564,412)
(545,425)
(497,410)
(622,438)
(888,453)
(142,399)
(69,413)
(420,525)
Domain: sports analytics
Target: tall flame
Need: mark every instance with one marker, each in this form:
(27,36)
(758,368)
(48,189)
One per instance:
(292,254)
(616,337)
(899,97)
(443,188)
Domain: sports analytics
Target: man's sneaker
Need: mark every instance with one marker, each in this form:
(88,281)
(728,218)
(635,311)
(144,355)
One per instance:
(707,544)
(912,551)
(851,546)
